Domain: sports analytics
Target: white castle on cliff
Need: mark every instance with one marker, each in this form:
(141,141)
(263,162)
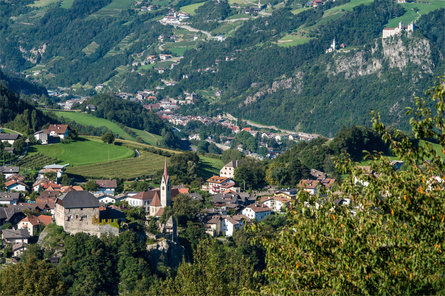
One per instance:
(388,32)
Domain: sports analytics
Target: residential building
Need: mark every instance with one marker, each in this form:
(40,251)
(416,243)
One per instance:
(12,236)
(9,198)
(275,203)
(228,171)
(58,130)
(9,171)
(256,212)
(9,138)
(31,223)
(310,186)
(230,224)
(55,168)
(106,186)
(219,184)
(16,185)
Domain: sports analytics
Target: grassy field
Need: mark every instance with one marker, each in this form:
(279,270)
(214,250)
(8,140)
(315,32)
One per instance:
(43,3)
(209,166)
(190,9)
(147,164)
(84,151)
(292,40)
(88,119)
(148,137)
(66,4)
(91,48)
(415,10)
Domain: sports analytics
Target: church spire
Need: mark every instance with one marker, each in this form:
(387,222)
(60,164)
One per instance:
(165,169)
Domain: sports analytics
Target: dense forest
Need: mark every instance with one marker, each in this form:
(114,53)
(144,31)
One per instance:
(19,114)
(125,112)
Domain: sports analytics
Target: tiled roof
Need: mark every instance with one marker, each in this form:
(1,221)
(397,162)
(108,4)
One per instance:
(106,183)
(58,128)
(78,199)
(156,201)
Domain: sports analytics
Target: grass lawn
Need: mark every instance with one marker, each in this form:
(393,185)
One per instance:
(190,9)
(88,119)
(84,151)
(415,10)
(209,166)
(146,67)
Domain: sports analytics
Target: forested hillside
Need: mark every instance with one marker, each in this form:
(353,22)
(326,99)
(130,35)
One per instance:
(18,114)
(266,62)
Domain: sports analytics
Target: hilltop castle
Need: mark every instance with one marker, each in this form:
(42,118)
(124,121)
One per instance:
(388,32)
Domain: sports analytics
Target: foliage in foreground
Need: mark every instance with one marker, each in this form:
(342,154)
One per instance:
(388,240)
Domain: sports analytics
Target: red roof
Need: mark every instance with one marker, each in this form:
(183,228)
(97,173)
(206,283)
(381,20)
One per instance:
(259,209)
(58,128)
(45,219)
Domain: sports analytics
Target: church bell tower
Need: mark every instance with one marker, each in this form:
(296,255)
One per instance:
(166,193)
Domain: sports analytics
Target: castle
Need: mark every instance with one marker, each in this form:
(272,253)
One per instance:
(388,32)
(159,203)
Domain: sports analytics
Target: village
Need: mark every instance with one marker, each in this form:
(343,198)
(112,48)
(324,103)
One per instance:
(26,209)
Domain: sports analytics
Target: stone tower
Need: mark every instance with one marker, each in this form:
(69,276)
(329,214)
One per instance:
(166,193)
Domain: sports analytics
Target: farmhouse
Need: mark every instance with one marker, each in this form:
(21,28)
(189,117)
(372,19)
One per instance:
(9,138)
(53,134)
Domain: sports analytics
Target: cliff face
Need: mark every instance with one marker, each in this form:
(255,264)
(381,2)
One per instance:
(166,252)
(389,53)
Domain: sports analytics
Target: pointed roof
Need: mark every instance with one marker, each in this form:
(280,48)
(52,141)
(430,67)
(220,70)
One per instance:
(165,175)
(156,202)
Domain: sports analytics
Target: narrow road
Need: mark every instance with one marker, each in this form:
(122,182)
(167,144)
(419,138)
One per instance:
(191,29)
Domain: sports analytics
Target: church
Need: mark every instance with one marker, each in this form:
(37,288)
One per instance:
(162,197)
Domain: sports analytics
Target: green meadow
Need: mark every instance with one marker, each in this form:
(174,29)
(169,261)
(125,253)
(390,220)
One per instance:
(84,151)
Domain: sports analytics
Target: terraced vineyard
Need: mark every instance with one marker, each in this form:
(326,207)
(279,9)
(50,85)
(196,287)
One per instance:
(36,161)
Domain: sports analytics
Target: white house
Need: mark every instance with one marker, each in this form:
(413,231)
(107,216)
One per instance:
(230,224)
(9,138)
(12,236)
(256,212)
(15,185)
(31,223)
(275,203)
(310,186)
(107,199)
(228,171)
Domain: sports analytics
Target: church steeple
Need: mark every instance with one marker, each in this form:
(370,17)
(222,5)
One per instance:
(165,188)
(165,175)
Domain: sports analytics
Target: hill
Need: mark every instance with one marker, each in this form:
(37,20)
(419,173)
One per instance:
(238,57)
(19,114)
